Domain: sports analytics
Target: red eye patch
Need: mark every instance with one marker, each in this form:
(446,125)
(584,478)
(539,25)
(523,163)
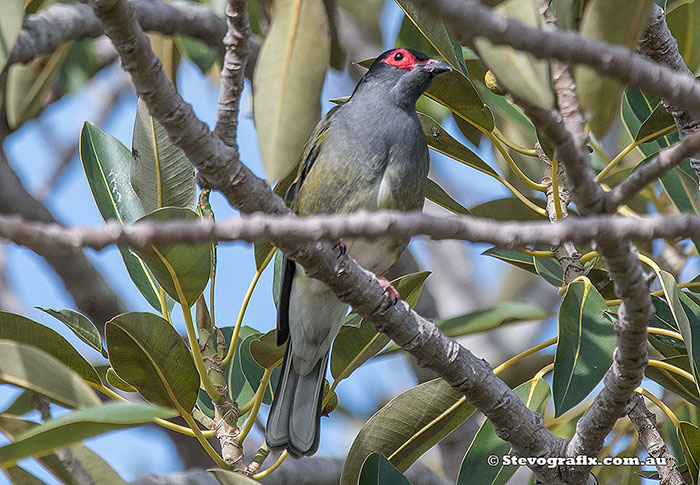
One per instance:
(402,59)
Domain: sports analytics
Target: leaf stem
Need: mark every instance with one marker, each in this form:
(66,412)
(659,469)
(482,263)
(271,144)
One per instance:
(522,355)
(664,331)
(191,333)
(671,368)
(530,152)
(511,163)
(535,253)
(613,163)
(259,394)
(272,467)
(203,441)
(588,256)
(667,411)
(162,297)
(236,330)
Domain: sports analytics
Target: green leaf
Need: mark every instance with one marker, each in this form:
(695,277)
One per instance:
(356,345)
(37,371)
(28,332)
(663,318)
(100,472)
(107,164)
(287,82)
(21,405)
(689,436)
(161,174)
(550,270)
(231,478)
(11,16)
(520,73)
(505,209)
(408,426)
(442,142)
(265,351)
(377,470)
(80,325)
(674,382)
(81,64)
(115,381)
(646,118)
(253,371)
(475,466)
(436,33)
(147,353)
(678,303)
(682,18)
(191,265)
(622,23)
(28,85)
(436,194)
(18,474)
(490,318)
(78,425)
(238,387)
(585,348)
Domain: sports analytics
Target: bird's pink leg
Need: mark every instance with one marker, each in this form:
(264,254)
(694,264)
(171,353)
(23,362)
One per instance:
(389,289)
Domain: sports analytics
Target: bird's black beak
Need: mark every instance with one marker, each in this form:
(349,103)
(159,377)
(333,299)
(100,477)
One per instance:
(434,67)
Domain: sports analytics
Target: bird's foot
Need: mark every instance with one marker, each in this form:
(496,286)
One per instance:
(391,292)
(341,248)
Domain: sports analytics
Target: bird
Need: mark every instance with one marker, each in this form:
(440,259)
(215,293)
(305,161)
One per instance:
(369,153)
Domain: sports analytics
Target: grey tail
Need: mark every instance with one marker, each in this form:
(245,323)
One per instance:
(295,414)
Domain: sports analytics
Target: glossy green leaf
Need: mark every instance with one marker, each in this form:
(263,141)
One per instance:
(265,351)
(436,33)
(674,382)
(107,165)
(115,381)
(29,85)
(377,470)
(505,209)
(191,265)
(238,387)
(80,325)
(78,425)
(356,345)
(21,405)
(682,18)
(161,174)
(436,194)
(37,371)
(253,371)
(520,73)
(514,257)
(550,270)
(645,118)
(622,23)
(585,348)
(287,82)
(442,142)
(679,303)
(100,472)
(408,426)
(28,332)
(147,353)
(689,436)
(489,318)
(11,16)
(231,478)
(475,466)
(663,318)
(411,37)
(18,474)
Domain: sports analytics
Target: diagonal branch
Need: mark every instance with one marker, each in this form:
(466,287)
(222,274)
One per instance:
(658,44)
(47,29)
(232,73)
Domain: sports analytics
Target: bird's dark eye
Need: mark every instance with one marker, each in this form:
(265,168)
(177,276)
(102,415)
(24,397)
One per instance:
(398,56)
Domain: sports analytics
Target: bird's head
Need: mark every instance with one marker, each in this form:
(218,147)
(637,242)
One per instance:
(402,74)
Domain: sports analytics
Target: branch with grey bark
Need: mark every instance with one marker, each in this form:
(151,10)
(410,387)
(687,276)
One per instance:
(233,70)
(220,169)
(658,44)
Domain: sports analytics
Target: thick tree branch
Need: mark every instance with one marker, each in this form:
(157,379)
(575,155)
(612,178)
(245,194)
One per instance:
(635,311)
(45,30)
(469,19)
(644,422)
(658,44)
(232,73)
(55,239)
